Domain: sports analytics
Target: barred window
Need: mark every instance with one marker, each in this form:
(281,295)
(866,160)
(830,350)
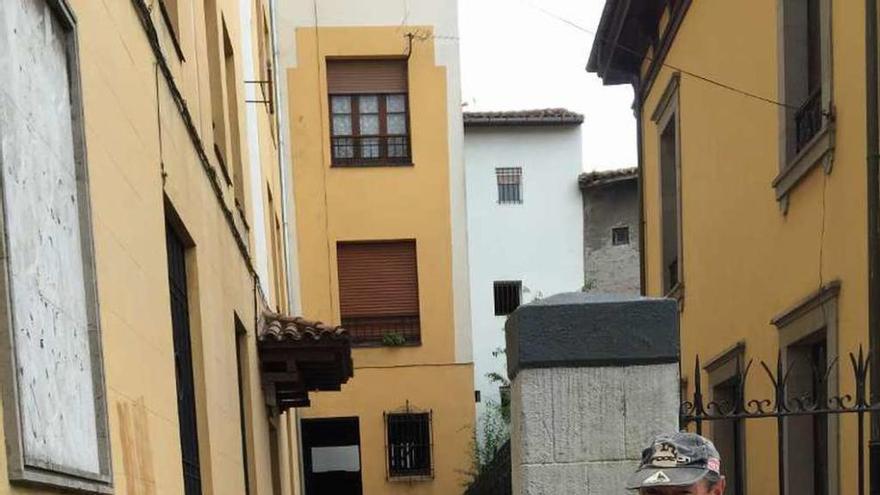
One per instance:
(409,444)
(619,236)
(509,185)
(507,297)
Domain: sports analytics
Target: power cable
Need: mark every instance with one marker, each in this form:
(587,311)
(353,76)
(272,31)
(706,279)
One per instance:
(695,75)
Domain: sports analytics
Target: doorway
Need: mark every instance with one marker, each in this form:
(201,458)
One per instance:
(332,456)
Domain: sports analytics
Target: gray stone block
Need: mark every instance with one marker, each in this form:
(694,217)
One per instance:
(652,404)
(555,479)
(532,398)
(582,330)
(609,478)
(588,414)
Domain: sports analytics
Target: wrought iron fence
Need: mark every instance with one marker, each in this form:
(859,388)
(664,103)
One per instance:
(495,478)
(785,406)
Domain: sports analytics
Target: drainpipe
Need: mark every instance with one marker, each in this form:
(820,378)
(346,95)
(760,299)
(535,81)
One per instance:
(873,159)
(637,110)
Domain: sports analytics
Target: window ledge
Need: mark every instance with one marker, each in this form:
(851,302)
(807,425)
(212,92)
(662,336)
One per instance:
(372,164)
(819,150)
(677,293)
(38,478)
(380,345)
(409,479)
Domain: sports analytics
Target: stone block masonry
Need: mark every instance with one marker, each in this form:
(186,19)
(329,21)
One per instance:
(595,378)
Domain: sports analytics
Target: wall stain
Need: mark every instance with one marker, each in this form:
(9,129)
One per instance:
(137,453)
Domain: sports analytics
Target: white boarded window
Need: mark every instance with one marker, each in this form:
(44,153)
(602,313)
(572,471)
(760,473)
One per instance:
(54,370)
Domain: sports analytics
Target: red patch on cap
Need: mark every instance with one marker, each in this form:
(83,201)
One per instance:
(714,464)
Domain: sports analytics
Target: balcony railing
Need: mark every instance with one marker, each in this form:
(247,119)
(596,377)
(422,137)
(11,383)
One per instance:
(383,330)
(808,120)
(356,151)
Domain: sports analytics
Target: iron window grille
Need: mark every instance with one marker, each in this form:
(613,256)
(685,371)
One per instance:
(509,185)
(409,444)
(620,236)
(508,295)
(370,129)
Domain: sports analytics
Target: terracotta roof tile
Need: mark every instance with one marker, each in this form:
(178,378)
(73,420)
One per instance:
(538,117)
(590,179)
(279,327)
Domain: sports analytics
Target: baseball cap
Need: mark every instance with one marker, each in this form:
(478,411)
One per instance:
(677,459)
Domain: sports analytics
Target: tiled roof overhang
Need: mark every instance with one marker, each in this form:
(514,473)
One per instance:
(595,179)
(539,117)
(626,30)
(298,356)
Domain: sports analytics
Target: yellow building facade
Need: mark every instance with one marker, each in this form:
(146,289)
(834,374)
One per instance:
(375,131)
(752,143)
(158,251)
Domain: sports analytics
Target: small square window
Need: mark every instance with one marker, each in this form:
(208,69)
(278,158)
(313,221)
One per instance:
(620,236)
(509,185)
(409,444)
(507,297)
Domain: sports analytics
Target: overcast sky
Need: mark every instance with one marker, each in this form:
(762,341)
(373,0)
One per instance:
(516,57)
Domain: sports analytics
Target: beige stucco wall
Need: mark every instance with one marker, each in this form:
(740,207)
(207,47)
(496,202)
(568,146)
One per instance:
(745,260)
(140,155)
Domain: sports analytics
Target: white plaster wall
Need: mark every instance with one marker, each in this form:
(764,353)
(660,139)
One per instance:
(252,147)
(442,16)
(539,241)
(46,266)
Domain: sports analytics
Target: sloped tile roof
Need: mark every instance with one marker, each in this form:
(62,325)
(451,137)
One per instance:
(590,179)
(278,328)
(538,117)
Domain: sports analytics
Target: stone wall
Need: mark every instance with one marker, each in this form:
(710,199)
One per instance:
(594,379)
(610,268)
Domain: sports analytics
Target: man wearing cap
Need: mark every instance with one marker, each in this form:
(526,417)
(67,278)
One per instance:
(679,464)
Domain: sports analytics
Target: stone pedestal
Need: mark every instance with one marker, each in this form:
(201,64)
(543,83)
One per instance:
(594,378)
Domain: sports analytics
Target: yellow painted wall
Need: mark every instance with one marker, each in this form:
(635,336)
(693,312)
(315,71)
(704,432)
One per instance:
(745,261)
(340,204)
(130,116)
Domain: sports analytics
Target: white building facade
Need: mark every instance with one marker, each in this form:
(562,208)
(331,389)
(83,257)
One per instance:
(525,218)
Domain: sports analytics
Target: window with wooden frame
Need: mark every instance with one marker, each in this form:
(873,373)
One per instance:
(171,16)
(369,112)
(408,436)
(806,88)
(379,292)
(509,185)
(234,131)
(666,118)
(508,295)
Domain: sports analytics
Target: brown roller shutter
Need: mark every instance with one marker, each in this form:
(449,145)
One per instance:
(378,279)
(366,76)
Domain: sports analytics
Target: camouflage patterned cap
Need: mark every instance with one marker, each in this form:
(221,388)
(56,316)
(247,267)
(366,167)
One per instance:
(678,459)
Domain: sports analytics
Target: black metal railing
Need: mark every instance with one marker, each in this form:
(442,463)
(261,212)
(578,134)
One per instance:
(495,478)
(370,150)
(787,405)
(383,330)
(808,120)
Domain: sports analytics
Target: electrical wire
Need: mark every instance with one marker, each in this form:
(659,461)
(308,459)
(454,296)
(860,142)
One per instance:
(632,51)
(322,99)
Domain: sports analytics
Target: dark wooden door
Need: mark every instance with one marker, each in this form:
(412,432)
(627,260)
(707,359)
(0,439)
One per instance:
(183,364)
(331,456)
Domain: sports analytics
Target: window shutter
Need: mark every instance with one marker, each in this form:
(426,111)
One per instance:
(378,279)
(366,76)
